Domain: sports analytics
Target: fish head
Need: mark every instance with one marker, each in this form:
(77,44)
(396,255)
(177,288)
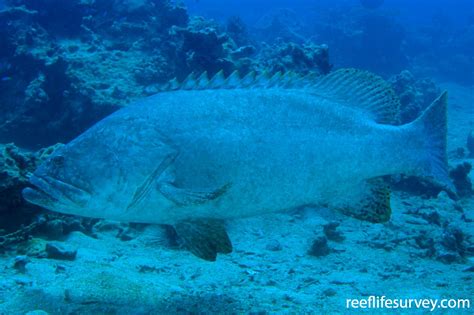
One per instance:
(101,174)
(80,178)
(60,184)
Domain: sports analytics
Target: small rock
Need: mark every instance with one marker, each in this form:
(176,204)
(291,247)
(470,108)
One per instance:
(274,245)
(60,269)
(331,232)
(57,250)
(20,263)
(319,247)
(329,292)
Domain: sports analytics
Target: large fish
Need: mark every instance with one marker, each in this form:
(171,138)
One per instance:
(215,149)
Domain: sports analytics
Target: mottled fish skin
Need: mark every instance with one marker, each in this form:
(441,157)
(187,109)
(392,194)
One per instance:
(248,151)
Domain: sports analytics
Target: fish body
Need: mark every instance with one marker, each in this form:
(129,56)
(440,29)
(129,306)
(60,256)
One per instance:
(193,154)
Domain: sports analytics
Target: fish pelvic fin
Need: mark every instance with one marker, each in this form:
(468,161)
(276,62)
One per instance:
(432,127)
(371,204)
(204,237)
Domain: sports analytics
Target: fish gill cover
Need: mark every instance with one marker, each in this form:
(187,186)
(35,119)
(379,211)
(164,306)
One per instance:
(66,65)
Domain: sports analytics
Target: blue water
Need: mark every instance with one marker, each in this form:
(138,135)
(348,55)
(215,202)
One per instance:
(393,26)
(66,65)
(412,13)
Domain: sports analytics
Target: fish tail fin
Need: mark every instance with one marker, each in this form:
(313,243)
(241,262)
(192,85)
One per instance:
(431,125)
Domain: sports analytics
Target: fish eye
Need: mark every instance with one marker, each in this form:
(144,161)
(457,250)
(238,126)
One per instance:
(58,160)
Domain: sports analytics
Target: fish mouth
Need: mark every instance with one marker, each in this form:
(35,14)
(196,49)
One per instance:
(47,191)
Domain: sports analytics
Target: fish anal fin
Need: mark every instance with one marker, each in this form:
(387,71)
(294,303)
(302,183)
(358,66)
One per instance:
(186,197)
(371,205)
(204,238)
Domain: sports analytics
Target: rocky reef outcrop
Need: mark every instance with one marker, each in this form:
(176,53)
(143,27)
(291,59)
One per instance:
(66,65)
(16,215)
(415,94)
(15,165)
(288,56)
(19,220)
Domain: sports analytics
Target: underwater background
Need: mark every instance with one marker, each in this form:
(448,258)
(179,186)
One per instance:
(65,65)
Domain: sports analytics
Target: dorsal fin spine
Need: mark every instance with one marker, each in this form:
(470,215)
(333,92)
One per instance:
(248,79)
(203,81)
(232,81)
(274,79)
(217,80)
(189,82)
(174,84)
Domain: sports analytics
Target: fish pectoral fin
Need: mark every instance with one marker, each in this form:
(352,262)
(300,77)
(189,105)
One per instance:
(371,204)
(204,237)
(185,197)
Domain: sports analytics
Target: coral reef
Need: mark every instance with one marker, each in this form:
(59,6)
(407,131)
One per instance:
(238,31)
(15,165)
(67,65)
(415,94)
(20,220)
(303,58)
(203,47)
(74,68)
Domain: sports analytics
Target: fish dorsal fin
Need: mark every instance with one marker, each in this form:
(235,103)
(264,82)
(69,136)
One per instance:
(360,89)
(350,87)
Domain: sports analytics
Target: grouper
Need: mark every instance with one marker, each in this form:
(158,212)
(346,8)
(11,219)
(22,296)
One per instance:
(206,150)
